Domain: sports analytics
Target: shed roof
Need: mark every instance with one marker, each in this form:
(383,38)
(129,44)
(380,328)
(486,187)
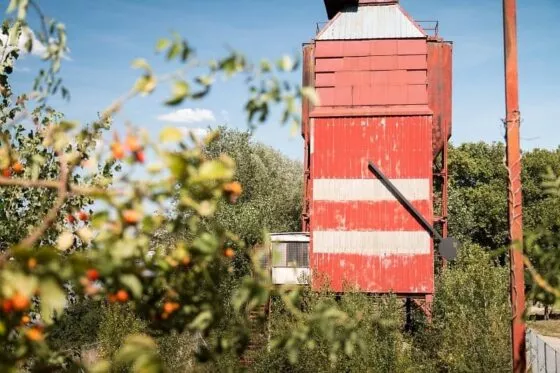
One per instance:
(371,22)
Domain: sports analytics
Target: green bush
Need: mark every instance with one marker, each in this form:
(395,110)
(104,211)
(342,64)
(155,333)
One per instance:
(384,347)
(177,351)
(470,329)
(117,322)
(77,326)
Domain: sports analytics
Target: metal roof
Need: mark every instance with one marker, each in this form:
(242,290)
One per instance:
(335,6)
(371,22)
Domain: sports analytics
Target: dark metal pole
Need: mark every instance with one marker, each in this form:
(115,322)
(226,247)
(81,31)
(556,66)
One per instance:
(405,202)
(515,212)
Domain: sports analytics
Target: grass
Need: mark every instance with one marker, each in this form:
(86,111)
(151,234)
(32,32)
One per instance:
(549,328)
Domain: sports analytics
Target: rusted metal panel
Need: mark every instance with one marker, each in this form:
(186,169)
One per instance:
(371,111)
(367,215)
(342,147)
(326,95)
(376,79)
(360,54)
(440,91)
(325,79)
(376,274)
(411,46)
(371,22)
(359,233)
(328,64)
(413,62)
(387,47)
(363,48)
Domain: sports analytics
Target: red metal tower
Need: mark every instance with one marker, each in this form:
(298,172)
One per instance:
(384,86)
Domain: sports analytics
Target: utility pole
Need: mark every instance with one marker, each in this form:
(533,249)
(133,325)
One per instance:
(515,212)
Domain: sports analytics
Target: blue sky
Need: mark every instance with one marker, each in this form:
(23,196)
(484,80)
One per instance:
(105,36)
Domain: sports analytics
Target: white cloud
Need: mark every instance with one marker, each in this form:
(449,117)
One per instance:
(188,116)
(37,49)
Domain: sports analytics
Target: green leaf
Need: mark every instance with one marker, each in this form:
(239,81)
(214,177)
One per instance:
(266,66)
(29,43)
(311,94)
(141,63)
(174,50)
(205,80)
(175,164)
(179,92)
(53,299)
(145,84)
(132,283)
(14,34)
(170,134)
(141,347)
(123,250)
(13,5)
(99,218)
(206,243)
(286,63)
(68,125)
(202,321)
(12,282)
(162,44)
(22,9)
(214,170)
(102,366)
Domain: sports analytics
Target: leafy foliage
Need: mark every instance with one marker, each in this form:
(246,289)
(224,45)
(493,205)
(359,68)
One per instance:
(478,193)
(543,245)
(378,329)
(470,318)
(173,288)
(273,187)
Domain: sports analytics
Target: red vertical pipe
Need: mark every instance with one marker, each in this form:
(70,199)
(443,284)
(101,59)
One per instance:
(515,214)
(444,188)
(308,80)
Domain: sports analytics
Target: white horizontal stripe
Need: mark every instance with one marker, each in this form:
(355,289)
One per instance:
(368,189)
(285,275)
(372,243)
(289,237)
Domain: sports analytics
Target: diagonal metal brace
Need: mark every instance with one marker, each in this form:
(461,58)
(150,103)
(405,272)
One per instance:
(405,202)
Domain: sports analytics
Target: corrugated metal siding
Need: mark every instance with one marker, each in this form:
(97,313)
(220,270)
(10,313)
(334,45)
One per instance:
(440,90)
(368,190)
(361,234)
(371,22)
(371,243)
(376,274)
